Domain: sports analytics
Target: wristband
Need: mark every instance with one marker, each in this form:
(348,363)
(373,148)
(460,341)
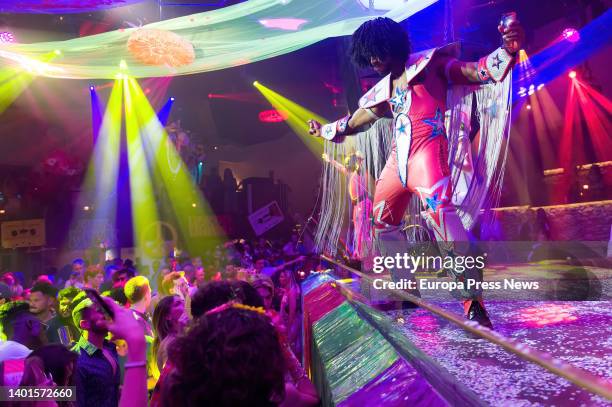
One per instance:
(336,129)
(495,66)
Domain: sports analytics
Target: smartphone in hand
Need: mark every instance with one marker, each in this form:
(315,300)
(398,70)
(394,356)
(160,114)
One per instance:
(96,298)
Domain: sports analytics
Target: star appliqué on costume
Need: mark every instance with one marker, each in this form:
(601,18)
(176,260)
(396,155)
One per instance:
(401,128)
(398,100)
(328,131)
(497,62)
(372,95)
(492,109)
(433,202)
(437,122)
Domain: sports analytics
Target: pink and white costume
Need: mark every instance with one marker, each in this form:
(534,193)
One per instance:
(419,160)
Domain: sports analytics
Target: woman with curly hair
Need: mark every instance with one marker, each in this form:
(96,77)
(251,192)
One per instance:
(231,358)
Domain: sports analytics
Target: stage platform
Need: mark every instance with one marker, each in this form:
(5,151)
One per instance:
(360,356)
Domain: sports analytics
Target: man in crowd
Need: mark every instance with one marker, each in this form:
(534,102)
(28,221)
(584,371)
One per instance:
(138,293)
(42,304)
(121,277)
(94,277)
(76,274)
(24,332)
(97,374)
(61,326)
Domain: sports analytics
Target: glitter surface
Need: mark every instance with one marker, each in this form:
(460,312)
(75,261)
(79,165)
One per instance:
(579,333)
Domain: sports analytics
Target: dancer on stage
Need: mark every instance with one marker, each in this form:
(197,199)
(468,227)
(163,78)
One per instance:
(414,87)
(360,198)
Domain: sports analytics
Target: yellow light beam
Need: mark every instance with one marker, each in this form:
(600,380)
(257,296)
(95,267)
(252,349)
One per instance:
(298,117)
(149,241)
(196,221)
(15,79)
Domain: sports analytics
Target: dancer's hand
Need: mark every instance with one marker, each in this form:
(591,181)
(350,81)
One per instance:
(314,128)
(513,36)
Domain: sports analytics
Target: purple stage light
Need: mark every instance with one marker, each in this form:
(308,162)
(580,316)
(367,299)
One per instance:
(7,36)
(571,34)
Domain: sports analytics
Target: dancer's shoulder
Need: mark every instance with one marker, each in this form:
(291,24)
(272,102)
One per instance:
(418,61)
(379,93)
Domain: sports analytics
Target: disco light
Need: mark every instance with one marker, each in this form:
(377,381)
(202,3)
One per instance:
(571,34)
(572,74)
(6,36)
(297,118)
(273,116)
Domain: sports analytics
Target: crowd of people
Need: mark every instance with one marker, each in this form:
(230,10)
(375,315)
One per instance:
(223,330)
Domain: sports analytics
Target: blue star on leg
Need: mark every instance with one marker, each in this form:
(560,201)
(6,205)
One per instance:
(402,128)
(433,202)
(437,123)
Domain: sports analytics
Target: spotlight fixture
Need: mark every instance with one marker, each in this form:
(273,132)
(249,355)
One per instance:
(7,36)
(528,107)
(2,211)
(255,83)
(91,87)
(540,86)
(172,99)
(122,64)
(572,74)
(194,205)
(86,208)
